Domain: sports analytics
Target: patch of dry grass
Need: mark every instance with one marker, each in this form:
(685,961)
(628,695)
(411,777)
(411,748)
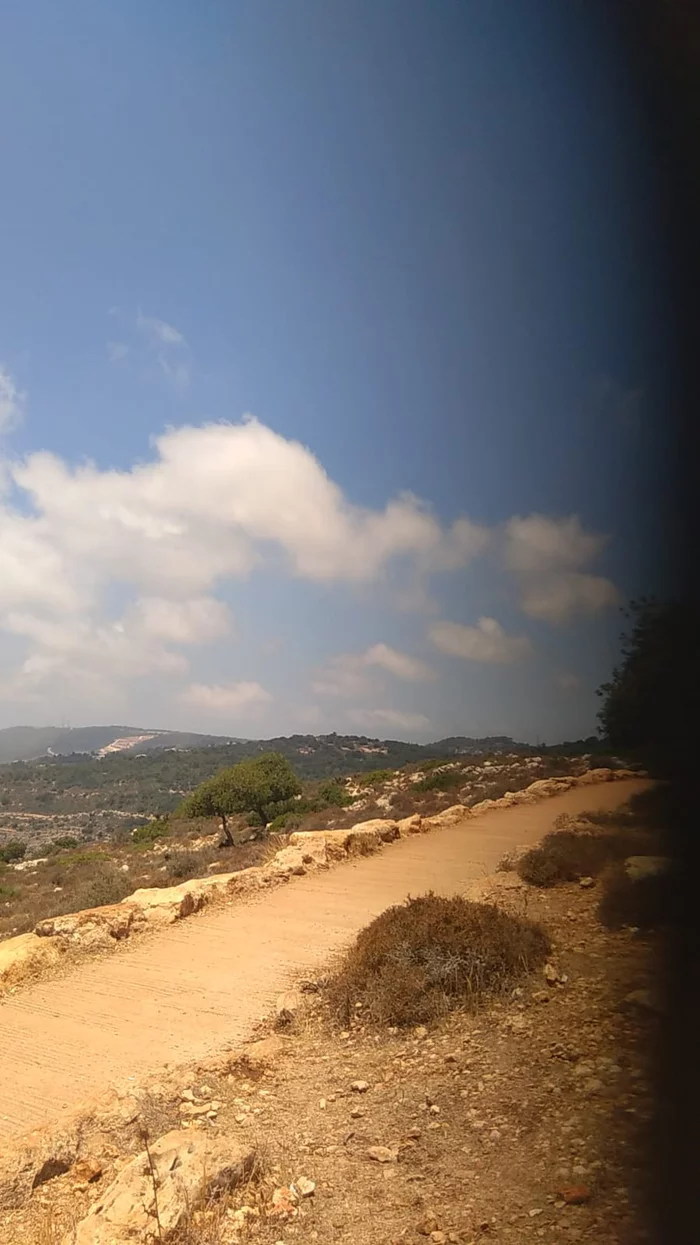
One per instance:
(420,959)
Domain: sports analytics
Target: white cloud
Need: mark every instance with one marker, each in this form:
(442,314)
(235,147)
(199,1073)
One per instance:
(117,351)
(540,544)
(183,622)
(392,718)
(557,598)
(487,642)
(159,330)
(567,682)
(11,401)
(347,673)
(211,504)
(225,698)
(399,664)
(546,556)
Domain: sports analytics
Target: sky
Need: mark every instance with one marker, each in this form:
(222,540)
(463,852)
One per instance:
(332,345)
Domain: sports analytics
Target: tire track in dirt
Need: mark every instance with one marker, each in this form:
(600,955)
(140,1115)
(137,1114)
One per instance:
(198,987)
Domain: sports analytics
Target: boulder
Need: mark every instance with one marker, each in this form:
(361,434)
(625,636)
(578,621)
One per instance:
(208,888)
(596,775)
(285,863)
(332,843)
(246,880)
(187,1166)
(387,830)
(449,816)
(411,825)
(25,956)
(162,905)
(93,926)
(361,840)
(312,845)
(550,786)
(484,806)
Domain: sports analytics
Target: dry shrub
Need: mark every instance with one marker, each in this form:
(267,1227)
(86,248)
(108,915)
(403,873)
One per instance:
(645,903)
(418,960)
(567,855)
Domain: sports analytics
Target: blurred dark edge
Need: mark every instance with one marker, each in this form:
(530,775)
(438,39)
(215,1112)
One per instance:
(660,40)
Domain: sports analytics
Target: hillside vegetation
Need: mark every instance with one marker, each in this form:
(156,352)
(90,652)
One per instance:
(61,863)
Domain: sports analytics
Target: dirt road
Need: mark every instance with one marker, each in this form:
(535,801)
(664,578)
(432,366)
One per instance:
(198,987)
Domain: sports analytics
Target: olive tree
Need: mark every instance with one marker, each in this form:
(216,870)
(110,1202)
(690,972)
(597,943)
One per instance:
(256,785)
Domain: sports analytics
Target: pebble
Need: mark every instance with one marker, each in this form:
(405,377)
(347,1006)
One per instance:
(360,1087)
(382,1154)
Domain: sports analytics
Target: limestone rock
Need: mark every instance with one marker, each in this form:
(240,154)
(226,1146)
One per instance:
(411,825)
(286,863)
(387,830)
(26,956)
(93,925)
(188,1166)
(450,816)
(382,1154)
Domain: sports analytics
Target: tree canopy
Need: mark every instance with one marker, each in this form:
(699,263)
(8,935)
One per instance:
(257,785)
(649,703)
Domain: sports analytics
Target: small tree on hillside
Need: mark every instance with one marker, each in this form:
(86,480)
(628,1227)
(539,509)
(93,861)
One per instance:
(254,786)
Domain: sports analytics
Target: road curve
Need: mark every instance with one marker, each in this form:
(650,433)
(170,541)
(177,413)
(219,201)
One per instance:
(198,987)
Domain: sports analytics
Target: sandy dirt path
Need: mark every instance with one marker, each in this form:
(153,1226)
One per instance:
(198,987)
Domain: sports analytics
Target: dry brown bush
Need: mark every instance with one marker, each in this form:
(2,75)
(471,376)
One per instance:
(567,855)
(420,959)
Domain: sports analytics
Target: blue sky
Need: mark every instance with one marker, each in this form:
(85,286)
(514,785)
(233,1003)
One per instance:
(417,243)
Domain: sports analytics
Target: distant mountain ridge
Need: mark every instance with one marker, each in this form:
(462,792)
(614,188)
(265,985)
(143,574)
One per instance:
(32,743)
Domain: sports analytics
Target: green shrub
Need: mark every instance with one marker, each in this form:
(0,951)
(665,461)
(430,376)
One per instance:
(12,851)
(151,832)
(374,777)
(332,794)
(65,843)
(440,780)
(418,960)
(285,821)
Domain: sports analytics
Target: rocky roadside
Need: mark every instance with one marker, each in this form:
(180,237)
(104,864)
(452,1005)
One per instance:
(525,1122)
(59,941)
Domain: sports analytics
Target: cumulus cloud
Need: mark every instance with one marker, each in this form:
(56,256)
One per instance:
(347,673)
(11,401)
(558,597)
(391,718)
(547,555)
(225,698)
(213,502)
(183,622)
(487,642)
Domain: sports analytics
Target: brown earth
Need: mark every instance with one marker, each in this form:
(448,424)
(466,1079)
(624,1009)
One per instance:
(197,988)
